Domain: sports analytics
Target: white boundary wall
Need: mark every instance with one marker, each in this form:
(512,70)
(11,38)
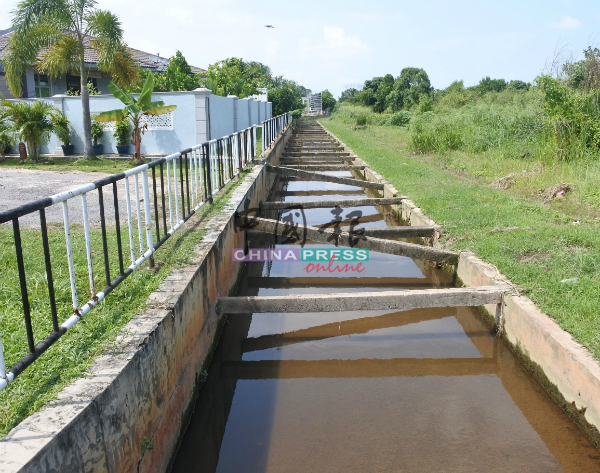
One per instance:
(200,116)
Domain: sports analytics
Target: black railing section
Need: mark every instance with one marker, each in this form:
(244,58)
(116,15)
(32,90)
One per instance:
(177,187)
(272,127)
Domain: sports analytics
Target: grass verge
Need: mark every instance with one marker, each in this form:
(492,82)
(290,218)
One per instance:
(546,252)
(110,166)
(70,357)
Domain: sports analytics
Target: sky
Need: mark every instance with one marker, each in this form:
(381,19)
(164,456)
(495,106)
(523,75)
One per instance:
(339,44)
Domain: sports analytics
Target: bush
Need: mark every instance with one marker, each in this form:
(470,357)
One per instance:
(361,120)
(435,135)
(425,104)
(62,128)
(97,132)
(297,113)
(348,113)
(122,133)
(573,116)
(457,99)
(7,139)
(399,119)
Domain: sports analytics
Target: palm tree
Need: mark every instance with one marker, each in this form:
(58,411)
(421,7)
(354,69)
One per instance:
(6,134)
(64,30)
(134,111)
(33,122)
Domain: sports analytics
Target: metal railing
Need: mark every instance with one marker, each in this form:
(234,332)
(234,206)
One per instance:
(272,127)
(165,194)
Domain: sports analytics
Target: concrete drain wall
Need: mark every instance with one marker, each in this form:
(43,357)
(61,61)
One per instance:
(128,414)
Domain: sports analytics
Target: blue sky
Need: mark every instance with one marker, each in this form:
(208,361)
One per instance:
(337,44)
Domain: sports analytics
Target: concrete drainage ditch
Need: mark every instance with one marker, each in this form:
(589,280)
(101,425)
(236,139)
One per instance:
(323,365)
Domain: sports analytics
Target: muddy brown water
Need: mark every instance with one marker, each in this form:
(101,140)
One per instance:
(369,391)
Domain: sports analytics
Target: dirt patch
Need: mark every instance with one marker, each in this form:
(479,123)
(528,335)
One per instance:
(505,182)
(559,190)
(533,257)
(509,229)
(575,248)
(450,241)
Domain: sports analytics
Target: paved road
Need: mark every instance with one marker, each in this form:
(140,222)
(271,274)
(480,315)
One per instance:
(20,186)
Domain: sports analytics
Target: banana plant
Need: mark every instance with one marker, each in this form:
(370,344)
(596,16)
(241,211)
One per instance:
(134,111)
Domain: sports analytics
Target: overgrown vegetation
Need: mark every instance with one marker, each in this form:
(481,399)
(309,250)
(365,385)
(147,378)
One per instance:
(556,118)
(510,169)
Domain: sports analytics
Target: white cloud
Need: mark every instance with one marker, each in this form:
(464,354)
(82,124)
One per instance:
(337,41)
(181,15)
(355,15)
(272,49)
(335,45)
(566,23)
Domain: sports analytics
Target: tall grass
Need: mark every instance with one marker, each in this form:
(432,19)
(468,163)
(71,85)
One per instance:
(512,122)
(480,126)
(352,114)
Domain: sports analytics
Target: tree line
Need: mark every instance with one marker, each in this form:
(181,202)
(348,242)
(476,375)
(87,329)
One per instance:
(568,99)
(412,88)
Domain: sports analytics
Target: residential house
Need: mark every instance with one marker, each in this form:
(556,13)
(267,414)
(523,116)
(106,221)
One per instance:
(40,85)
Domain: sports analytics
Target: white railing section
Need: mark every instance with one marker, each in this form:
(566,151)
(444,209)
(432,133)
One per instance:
(179,185)
(272,127)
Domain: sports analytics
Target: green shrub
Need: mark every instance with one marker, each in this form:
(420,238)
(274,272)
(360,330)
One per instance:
(97,132)
(457,99)
(479,127)
(399,118)
(426,104)
(347,113)
(7,139)
(361,120)
(62,128)
(434,135)
(297,113)
(573,115)
(122,133)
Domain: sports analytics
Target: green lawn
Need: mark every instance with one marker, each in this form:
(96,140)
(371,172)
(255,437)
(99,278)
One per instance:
(548,247)
(70,357)
(109,166)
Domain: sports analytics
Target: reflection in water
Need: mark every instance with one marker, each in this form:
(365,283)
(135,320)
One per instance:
(372,391)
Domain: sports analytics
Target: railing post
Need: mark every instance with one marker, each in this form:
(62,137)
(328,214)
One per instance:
(3,379)
(238,140)
(70,256)
(2,363)
(208,172)
(23,284)
(148,215)
(88,243)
